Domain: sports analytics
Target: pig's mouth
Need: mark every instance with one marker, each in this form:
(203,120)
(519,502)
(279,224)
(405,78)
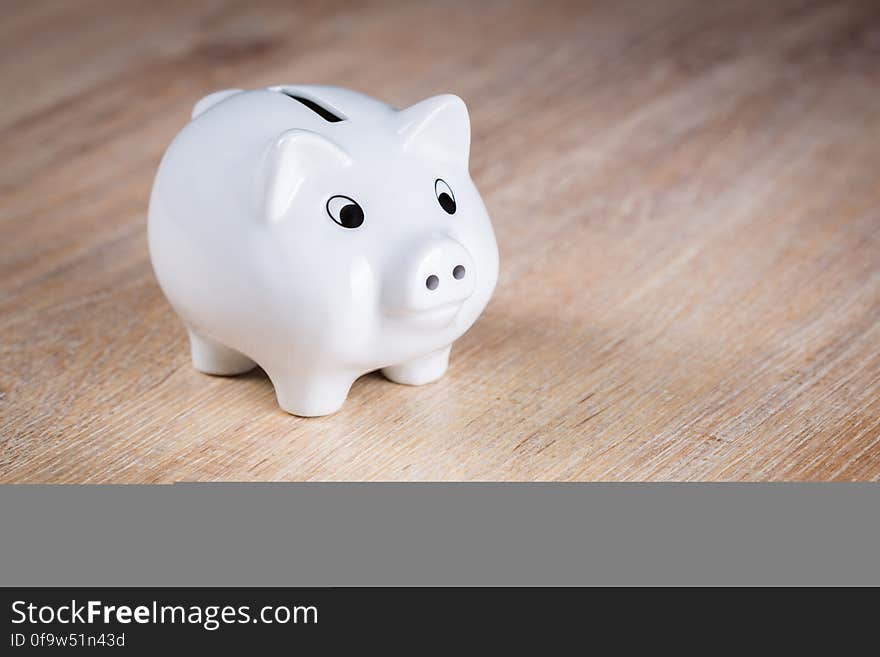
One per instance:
(436,317)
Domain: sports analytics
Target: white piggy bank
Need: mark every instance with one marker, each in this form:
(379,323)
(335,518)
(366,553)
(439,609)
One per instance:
(322,234)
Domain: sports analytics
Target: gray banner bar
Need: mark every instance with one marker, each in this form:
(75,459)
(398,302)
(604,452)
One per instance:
(304,534)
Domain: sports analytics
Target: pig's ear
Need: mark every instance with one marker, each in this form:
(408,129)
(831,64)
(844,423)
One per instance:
(292,158)
(438,127)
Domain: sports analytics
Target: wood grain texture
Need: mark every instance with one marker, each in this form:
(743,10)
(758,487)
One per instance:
(686,199)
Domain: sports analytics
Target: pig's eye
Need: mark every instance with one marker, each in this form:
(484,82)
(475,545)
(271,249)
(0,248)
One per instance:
(444,195)
(345,211)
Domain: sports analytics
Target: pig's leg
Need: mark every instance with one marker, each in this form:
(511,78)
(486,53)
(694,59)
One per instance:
(211,357)
(421,370)
(309,394)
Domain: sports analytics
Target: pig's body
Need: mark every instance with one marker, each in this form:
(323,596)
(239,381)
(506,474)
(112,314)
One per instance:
(253,239)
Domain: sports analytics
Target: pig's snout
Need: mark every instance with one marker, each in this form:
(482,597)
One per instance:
(432,281)
(446,272)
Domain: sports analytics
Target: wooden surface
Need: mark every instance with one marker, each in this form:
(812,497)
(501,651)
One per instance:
(686,199)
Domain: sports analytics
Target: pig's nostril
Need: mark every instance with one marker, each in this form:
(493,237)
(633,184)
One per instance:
(459,272)
(432,282)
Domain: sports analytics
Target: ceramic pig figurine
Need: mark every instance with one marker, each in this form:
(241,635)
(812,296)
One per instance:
(321,234)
